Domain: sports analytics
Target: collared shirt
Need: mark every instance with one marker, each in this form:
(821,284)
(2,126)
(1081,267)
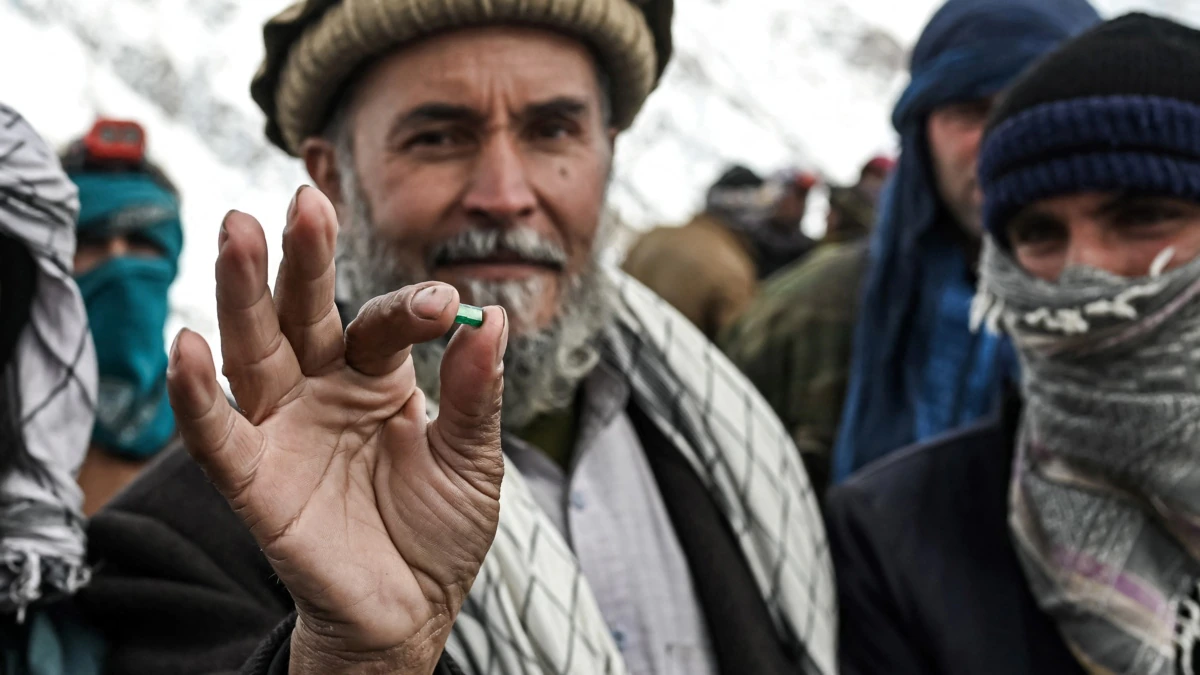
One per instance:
(610,511)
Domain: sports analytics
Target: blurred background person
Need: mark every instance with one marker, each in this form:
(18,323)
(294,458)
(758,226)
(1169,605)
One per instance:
(793,340)
(874,175)
(709,268)
(851,212)
(916,370)
(1057,537)
(47,393)
(779,241)
(129,242)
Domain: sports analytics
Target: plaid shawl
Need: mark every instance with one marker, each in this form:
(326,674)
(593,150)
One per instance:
(531,610)
(53,372)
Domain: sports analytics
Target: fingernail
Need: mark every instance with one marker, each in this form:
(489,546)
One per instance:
(173,354)
(295,200)
(224,234)
(430,303)
(503,336)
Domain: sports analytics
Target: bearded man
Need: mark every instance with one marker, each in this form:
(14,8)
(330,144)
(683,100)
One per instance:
(655,517)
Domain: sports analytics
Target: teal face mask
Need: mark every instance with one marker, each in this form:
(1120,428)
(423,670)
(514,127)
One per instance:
(126,302)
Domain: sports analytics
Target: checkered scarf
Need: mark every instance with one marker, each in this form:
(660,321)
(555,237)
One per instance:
(54,371)
(531,610)
(1105,499)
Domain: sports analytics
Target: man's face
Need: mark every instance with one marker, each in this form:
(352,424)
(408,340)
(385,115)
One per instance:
(790,209)
(1121,234)
(954,132)
(481,136)
(871,184)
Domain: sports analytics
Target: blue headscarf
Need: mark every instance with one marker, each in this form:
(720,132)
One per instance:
(916,368)
(127,306)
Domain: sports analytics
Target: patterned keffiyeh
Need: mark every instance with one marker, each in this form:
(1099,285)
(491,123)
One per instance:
(1105,499)
(531,610)
(51,375)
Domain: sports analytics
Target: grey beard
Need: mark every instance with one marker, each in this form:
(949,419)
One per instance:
(542,368)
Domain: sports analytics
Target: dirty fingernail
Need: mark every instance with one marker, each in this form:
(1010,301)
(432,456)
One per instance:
(224,234)
(173,354)
(429,303)
(503,335)
(295,200)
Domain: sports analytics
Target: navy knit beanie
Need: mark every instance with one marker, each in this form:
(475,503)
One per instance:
(1115,109)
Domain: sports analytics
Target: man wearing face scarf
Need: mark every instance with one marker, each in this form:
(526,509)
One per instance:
(915,370)
(1060,536)
(47,395)
(129,242)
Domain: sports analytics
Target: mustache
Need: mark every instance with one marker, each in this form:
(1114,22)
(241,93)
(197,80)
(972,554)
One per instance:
(517,245)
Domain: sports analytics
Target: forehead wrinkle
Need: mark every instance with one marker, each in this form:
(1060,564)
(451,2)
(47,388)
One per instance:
(470,71)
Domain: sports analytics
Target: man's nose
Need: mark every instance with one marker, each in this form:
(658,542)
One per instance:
(1093,251)
(500,187)
(972,139)
(117,247)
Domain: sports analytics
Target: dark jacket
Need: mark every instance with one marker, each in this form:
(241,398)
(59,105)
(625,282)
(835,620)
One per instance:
(928,579)
(182,587)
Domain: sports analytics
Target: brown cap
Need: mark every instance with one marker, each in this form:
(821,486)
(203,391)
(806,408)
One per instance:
(315,46)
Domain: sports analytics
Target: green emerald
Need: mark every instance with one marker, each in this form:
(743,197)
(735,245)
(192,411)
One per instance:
(470,315)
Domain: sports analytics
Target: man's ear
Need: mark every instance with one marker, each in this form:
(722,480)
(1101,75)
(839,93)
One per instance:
(321,160)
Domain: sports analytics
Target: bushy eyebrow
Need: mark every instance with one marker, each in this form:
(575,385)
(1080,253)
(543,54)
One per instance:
(1032,218)
(561,107)
(434,112)
(1120,202)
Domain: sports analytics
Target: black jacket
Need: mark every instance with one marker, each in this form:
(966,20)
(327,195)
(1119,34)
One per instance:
(928,578)
(182,587)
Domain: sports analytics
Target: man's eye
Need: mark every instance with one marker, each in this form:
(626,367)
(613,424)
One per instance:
(1033,234)
(1147,216)
(970,111)
(552,131)
(142,243)
(433,139)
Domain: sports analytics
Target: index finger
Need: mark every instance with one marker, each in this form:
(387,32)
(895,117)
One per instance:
(380,339)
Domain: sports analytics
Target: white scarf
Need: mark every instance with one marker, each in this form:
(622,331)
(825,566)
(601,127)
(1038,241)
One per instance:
(531,610)
(54,368)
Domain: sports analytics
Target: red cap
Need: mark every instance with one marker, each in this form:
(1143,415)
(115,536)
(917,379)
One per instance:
(881,164)
(115,141)
(804,181)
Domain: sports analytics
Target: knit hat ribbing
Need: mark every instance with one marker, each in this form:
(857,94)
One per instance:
(315,46)
(1116,109)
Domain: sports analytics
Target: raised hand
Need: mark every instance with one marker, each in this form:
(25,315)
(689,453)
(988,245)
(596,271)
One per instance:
(376,519)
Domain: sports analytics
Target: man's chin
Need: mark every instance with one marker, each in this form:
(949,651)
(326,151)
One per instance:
(528,293)
(493,272)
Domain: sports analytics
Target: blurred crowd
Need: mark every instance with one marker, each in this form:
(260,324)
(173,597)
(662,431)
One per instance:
(952,435)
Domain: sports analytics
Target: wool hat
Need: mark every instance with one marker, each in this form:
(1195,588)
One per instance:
(314,47)
(1115,109)
(881,164)
(738,176)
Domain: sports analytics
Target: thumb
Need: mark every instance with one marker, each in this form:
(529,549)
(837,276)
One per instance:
(467,431)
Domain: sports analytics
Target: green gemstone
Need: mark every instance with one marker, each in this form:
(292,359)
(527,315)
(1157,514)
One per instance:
(470,315)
